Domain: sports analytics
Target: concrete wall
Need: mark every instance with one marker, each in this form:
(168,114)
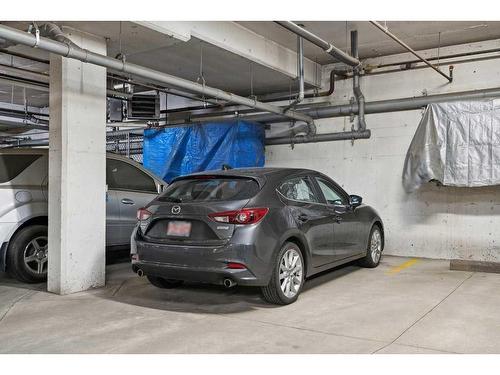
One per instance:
(435,222)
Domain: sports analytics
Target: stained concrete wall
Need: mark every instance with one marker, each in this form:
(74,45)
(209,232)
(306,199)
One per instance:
(435,222)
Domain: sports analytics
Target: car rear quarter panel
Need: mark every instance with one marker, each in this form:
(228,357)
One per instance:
(279,226)
(368,217)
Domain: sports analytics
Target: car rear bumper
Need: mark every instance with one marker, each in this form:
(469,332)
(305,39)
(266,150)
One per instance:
(197,274)
(200,263)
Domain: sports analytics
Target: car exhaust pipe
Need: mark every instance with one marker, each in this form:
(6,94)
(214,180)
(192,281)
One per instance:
(140,273)
(228,283)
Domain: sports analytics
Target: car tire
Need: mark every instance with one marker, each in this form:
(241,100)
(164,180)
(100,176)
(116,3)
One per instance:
(27,254)
(287,280)
(162,283)
(375,248)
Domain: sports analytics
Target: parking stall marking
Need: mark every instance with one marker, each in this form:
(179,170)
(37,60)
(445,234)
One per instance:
(402,266)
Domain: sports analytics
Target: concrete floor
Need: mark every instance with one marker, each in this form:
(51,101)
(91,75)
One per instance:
(423,308)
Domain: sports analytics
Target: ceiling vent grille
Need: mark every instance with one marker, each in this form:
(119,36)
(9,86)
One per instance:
(144,107)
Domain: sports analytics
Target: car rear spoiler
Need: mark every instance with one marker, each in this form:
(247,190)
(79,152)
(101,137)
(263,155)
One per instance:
(259,179)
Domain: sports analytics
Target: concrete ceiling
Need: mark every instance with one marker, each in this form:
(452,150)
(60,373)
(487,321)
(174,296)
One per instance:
(143,46)
(372,42)
(232,72)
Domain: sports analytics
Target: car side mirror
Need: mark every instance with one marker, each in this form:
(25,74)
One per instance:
(355,200)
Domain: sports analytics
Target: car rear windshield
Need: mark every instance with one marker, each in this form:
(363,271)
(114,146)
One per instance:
(12,165)
(206,189)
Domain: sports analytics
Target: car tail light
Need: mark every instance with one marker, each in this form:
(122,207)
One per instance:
(143,214)
(235,266)
(243,216)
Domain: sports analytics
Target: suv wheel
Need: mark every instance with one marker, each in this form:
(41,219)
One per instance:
(375,248)
(288,276)
(27,254)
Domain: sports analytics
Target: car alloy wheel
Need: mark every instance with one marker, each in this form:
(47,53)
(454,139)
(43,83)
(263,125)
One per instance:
(35,255)
(290,273)
(376,245)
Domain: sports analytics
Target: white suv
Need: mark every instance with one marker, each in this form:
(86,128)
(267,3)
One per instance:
(24,208)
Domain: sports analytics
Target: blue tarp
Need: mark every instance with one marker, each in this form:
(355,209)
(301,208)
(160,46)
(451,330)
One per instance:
(173,152)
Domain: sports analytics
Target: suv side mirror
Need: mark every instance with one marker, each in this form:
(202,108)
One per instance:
(355,200)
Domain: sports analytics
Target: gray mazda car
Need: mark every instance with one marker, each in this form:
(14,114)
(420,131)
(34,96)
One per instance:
(267,227)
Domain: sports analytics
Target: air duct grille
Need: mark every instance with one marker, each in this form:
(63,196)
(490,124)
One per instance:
(144,107)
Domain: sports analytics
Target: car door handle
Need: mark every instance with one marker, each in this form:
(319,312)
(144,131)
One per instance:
(303,217)
(127,201)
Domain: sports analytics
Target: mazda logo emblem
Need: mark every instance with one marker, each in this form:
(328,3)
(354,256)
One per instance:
(176,210)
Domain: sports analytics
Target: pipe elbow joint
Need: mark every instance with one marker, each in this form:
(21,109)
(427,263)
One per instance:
(362,126)
(311,128)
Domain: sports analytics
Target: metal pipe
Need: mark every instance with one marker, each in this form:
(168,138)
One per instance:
(300,73)
(277,97)
(441,58)
(27,121)
(22,113)
(71,51)
(166,90)
(360,98)
(407,47)
(382,106)
(24,83)
(45,87)
(45,142)
(27,143)
(335,52)
(133,126)
(41,77)
(24,73)
(52,31)
(119,94)
(331,87)
(340,136)
(391,105)
(267,98)
(24,56)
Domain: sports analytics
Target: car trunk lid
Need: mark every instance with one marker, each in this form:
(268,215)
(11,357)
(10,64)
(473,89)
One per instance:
(181,215)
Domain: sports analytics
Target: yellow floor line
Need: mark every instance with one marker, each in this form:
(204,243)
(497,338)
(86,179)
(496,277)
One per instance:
(402,266)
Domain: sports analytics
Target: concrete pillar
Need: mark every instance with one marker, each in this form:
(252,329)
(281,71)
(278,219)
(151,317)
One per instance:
(77,170)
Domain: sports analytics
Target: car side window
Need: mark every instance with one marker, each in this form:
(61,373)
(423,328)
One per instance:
(330,193)
(298,189)
(124,176)
(13,165)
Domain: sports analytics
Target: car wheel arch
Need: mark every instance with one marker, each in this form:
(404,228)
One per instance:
(302,245)
(378,223)
(36,220)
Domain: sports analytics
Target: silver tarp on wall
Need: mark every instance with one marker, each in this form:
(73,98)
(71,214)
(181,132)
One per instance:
(457,144)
